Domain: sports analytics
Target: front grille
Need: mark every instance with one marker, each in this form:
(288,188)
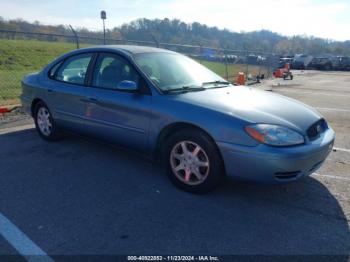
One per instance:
(316,129)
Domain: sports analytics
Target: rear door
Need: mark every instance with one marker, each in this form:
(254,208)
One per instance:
(114,114)
(67,91)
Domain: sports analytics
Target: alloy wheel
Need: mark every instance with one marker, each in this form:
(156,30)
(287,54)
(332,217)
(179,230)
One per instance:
(44,121)
(189,162)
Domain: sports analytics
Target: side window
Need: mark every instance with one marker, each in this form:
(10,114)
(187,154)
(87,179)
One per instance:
(111,69)
(54,69)
(74,69)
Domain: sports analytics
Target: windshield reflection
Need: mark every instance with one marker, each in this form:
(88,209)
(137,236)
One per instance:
(175,72)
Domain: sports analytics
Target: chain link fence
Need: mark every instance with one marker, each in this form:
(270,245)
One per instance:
(22,53)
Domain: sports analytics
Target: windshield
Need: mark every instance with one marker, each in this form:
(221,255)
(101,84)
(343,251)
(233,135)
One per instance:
(175,72)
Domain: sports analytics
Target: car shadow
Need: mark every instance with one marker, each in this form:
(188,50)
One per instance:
(78,196)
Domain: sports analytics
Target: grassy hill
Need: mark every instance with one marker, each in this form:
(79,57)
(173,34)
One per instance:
(20,57)
(29,54)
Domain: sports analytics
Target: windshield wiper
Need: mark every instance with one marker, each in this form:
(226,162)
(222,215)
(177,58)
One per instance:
(217,83)
(184,89)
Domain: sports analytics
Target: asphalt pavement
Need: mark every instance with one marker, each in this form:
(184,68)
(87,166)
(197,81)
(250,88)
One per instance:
(80,196)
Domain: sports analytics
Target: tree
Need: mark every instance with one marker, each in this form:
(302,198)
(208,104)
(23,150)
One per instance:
(177,31)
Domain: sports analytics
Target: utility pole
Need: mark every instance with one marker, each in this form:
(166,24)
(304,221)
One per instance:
(104,17)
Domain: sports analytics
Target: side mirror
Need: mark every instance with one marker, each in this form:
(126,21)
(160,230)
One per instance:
(127,85)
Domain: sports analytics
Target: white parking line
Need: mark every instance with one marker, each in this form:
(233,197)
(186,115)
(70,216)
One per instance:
(333,109)
(341,149)
(334,177)
(24,246)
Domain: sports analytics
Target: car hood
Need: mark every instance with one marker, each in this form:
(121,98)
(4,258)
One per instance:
(255,106)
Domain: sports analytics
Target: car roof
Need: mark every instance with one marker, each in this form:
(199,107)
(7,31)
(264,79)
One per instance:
(130,49)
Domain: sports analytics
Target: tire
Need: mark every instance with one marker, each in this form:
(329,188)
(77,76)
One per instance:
(291,77)
(199,172)
(44,123)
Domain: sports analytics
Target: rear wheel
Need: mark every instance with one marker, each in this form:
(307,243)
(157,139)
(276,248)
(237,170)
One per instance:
(44,123)
(193,161)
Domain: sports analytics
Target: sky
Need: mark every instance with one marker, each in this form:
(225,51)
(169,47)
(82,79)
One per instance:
(321,18)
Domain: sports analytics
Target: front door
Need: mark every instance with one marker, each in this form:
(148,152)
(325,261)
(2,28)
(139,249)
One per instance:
(114,114)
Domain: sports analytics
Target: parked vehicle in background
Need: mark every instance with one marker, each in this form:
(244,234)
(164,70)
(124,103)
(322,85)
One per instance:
(285,60)
(301,61)
(326,62)
(241,59)
(166,105)
(341,63)
(320,63)
(252,59)
(230,58)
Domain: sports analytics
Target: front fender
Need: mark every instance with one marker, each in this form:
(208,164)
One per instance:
(221,127)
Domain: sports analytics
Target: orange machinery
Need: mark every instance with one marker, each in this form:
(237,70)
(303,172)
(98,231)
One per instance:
(283,72)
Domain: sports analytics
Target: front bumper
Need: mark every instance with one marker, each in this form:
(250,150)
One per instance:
(264,163)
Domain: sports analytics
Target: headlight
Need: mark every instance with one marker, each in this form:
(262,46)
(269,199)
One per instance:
(274,135)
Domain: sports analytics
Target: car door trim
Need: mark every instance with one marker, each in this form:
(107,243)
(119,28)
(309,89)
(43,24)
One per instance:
(106,123)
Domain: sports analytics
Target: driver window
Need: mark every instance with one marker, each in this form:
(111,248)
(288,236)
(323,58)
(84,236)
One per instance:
(111,70)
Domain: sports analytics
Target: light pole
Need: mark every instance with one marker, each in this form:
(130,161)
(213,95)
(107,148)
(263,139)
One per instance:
(104,17)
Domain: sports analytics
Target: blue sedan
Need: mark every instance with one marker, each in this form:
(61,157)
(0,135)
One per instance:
(199,126)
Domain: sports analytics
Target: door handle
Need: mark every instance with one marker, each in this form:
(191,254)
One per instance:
(90,100)
(50,90)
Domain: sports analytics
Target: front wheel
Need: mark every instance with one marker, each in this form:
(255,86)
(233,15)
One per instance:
(44,123)
(193,161)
